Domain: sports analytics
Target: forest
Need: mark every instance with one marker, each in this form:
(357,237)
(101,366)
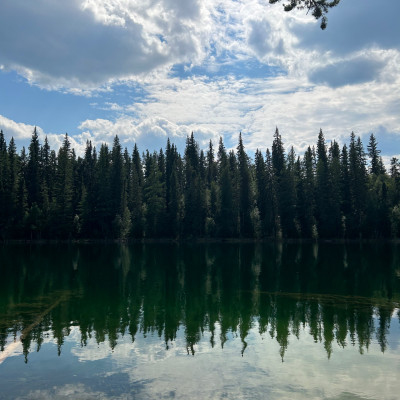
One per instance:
(330,192)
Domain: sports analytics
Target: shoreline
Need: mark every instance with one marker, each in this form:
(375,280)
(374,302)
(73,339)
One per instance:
(194,241)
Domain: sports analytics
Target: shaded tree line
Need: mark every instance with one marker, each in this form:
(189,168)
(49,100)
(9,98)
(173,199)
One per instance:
(211,290)
(329,192)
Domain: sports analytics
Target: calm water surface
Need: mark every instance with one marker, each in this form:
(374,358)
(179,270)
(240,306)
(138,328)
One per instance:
(206,321)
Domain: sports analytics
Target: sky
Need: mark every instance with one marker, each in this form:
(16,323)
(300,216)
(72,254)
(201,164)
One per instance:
(150,70)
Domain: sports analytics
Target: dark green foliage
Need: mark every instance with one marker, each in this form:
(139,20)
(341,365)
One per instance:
(245,191)
(358,187)
(33,171)
(153,192)
(63,211)
(328,189)
(4,184)
(194,190)
(226,215)
(318,8)
(327,193)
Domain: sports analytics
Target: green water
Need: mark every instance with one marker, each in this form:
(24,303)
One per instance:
(205,321)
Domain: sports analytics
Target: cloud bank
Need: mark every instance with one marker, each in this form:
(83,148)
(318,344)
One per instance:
(211,67)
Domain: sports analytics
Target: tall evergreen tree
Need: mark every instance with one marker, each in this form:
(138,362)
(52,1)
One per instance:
(307,207)
(89,192)
(104,209)
(376,167)
(62,205)
(136,198)
(358,185)
(245,191)
(194,191)
(153,195)
(173,192)
(287,197)
(272,214)
(33,172)
(225,216)
(335,215)
(261,193)
(4,183)
(278,155)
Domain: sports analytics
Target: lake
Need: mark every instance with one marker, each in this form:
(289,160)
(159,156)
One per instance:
(200,321)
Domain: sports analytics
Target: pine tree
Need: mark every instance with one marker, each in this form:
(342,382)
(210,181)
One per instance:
(153,195)
(12,187)
(137,195)
(62,204)
(234,178)
(307,207)
(245,191)
(172,192)
(278,155)
(103,211)
(345,194)
(33,172)
(358,186)
(211,166)
(376,167)
(4,184)
(117,175)
(194,191)
(261,193)
(88,215)
(287,197)
(225,216)
(272,224)
(22,198)
(335,215)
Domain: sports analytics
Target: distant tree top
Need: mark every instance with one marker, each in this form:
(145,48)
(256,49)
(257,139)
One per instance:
(318,8)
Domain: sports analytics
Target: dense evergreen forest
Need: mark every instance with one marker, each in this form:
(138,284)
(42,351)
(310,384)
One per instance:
(329,192)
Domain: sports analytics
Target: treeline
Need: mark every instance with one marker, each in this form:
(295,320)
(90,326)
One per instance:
(329,192)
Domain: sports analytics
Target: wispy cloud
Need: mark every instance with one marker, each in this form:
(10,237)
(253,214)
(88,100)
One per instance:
(211,67)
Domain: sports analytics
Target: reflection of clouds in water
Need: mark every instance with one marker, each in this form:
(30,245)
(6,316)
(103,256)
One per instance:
(149,349)
(348,396)
(92,351)
(155,372)
(12,349)
(218,373)
(70,391)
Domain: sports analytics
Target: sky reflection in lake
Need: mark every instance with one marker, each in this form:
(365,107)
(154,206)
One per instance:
(201,322)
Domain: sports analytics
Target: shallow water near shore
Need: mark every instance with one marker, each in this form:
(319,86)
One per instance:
(206,321)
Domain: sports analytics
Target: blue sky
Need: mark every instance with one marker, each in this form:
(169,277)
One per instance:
(151,69)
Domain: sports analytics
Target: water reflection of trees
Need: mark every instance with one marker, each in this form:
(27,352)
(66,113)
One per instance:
(343,294)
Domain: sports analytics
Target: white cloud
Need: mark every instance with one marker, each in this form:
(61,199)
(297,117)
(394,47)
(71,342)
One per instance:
(225,106)
(18,130)
(22,134)
(326,81)
(87,44)
(111,41)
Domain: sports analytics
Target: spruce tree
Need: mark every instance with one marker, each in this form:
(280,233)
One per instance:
(194,193)
(4,184)
(104,209)
(261,193)
(225,216)
(33,172)
(63,197)
(376,166)
(335,215)
(245,191)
